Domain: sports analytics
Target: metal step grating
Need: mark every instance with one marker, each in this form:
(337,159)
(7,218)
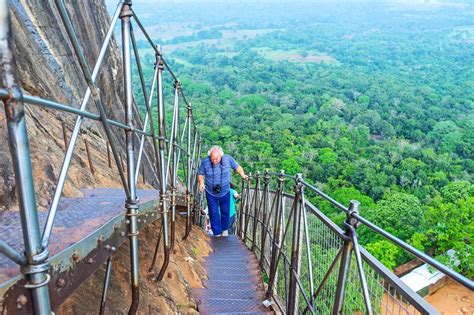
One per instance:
(234,284)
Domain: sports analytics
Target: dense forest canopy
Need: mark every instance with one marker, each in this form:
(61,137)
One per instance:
(370,100)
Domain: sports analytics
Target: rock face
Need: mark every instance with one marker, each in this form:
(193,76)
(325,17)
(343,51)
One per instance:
(47,67)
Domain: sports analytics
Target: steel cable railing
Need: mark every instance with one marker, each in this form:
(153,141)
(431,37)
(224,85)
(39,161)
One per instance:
(166,154)
(312,265)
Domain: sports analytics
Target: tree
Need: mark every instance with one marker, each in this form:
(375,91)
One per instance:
(386,252)
(398,213)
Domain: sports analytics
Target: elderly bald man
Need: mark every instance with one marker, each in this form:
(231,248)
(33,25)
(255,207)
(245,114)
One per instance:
(214,178)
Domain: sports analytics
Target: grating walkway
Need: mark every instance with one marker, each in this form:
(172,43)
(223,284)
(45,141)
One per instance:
(234,284)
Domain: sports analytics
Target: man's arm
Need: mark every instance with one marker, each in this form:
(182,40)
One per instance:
(237,168)
(201,183)
(241,172)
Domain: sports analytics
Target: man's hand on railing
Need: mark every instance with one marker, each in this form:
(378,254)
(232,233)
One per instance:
(201,187)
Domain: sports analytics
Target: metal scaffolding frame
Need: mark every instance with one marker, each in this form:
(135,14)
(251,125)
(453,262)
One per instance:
(166,153)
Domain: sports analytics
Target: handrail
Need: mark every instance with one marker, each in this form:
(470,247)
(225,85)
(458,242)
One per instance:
(344,288)
(417,253)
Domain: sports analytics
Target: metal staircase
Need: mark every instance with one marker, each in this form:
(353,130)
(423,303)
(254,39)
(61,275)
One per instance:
(309,263)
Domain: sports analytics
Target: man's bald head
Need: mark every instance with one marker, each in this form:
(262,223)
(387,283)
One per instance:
(215,154)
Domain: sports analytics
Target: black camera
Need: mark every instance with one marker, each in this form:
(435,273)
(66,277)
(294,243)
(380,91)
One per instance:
(216,189)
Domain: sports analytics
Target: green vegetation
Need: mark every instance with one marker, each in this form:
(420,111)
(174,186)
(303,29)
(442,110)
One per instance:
(385,117)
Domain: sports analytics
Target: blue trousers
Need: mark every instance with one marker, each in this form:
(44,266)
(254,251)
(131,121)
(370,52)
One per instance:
(219,219)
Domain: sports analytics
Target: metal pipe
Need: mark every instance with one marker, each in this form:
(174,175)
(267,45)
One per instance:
(155,254)
(140,149)
(345,260)
(75,133)
(180,147)
(198,157)
(174,174)
(324,196)
(308,247)
(246,209)
(36,268)
(105,288)
(163,186)
(12,254)
(240,226)
(150,41)
(132,201)
(109,161)
(429,260)
(284,175)
(292,305)
(148,101)
(325,279)
(95,93)
(301,289)
(193,177)
(256,211)
(360,268)
(188,181)
(394,282)
(264,229)
(174,124)
(197,162)
(4,94)
(281,248)
(342,277)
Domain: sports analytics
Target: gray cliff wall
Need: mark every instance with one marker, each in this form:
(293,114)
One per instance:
(48,68)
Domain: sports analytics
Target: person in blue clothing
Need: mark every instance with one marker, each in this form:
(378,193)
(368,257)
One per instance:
(234,195)
(214,178)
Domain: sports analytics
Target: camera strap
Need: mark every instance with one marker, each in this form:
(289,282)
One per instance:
(213,177)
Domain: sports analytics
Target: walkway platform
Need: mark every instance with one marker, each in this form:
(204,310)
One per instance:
(234,284)
(86,232)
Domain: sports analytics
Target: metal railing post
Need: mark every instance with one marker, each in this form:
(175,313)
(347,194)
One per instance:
(292,306)
(246,209)
(195,187)
(105,288)
(308,248)
(193,177)
(163,186)
(345,258)
(240,225)
(256,210)
(351,225)
(265,210)
(188,181)
(276,235)
(37,266)
(132,201)
(174,157)
(148,98)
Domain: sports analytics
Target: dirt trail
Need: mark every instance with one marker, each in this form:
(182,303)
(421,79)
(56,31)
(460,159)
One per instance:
(453,298)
